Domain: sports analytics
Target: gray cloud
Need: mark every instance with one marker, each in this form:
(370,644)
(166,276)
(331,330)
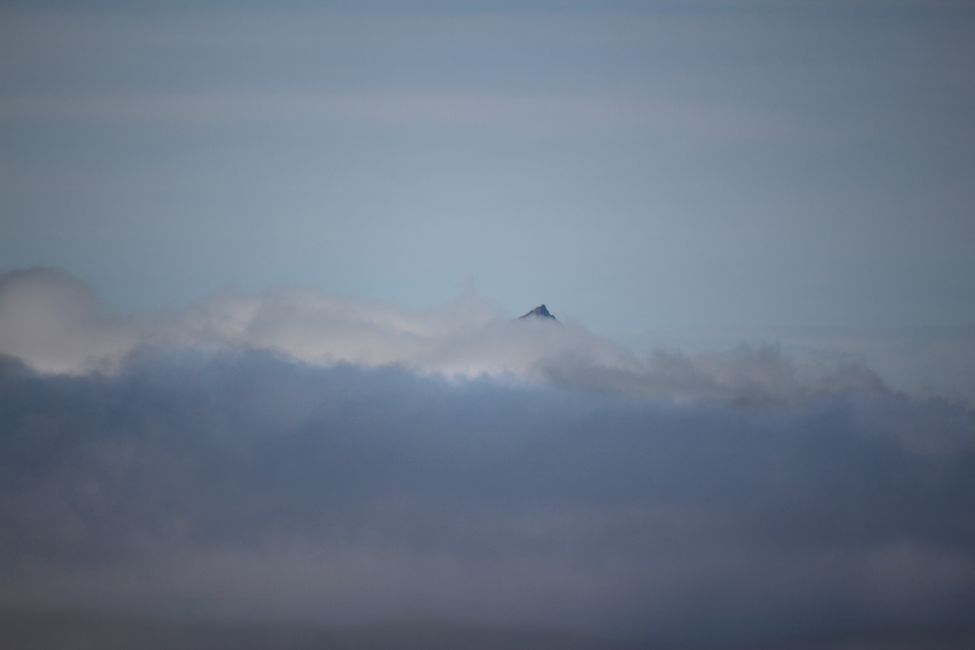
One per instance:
(247,486)
(323,469)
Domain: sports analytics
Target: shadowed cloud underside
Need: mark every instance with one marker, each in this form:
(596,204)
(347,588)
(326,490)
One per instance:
(299,467)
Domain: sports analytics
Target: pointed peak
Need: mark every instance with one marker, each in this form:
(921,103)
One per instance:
(540,312)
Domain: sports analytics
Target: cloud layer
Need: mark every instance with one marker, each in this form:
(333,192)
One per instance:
(298,461)
(55,324)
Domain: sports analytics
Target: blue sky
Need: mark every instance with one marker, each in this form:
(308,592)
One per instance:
(641,167)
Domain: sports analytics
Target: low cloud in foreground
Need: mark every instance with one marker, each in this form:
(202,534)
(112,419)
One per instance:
(241,494)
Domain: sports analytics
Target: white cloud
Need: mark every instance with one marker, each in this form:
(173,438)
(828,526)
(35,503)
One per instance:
(54,322)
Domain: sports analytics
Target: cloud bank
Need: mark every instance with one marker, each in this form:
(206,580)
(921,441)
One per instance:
(436,480)
(55,324)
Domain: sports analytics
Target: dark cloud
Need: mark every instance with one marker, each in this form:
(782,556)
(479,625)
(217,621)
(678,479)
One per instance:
(248,489)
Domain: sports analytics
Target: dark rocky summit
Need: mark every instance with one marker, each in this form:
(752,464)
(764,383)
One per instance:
(539,312)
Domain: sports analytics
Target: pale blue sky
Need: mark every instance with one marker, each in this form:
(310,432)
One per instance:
(640,167)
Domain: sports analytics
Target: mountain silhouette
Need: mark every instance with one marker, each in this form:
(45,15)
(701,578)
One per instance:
(539,312)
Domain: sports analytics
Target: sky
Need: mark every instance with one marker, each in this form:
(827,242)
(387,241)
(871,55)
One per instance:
(647,168)
(261,375)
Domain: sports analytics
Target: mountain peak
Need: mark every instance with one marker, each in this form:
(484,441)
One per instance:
(540,312)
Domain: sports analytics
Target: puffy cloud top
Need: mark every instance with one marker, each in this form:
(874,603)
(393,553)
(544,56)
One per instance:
(54,323)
